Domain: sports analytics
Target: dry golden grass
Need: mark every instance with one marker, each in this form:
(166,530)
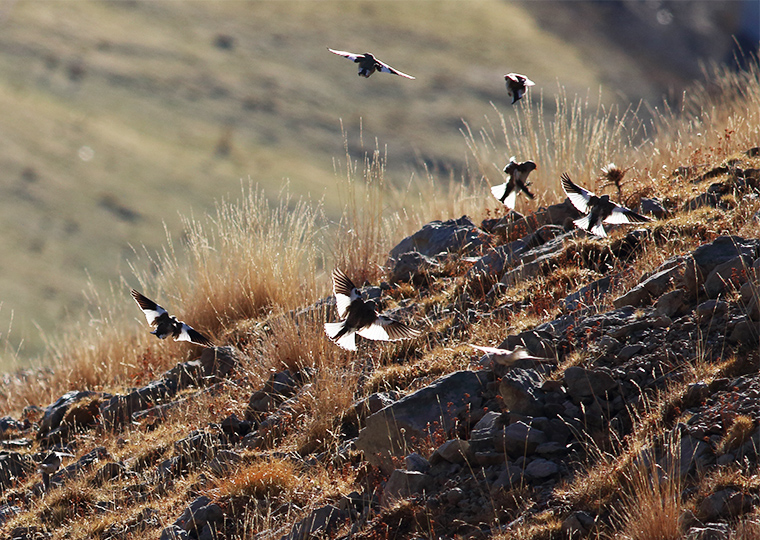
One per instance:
(242,275)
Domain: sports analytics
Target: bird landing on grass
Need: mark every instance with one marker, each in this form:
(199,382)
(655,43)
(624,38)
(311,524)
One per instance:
(166,325)
(517,181)
(368,64)
(598,210)
(360,317)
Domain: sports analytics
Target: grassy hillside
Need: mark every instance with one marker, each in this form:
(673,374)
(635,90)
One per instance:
(248,274)
(118,117)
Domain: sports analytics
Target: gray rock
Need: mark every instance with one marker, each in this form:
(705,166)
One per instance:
(416,463)
(55,413)
(653,286)
(541,468)
(487,424)
(724,504)
(520,389)
(728,275)
(372,404)
(508,479)
(629,351)
(607,345)
(410,267)
(519,439)
(672,303)
(453,451)
(497,260)
(224,462)
(190,520)
(745,332)
(589,295)
(577,525)
(440,237)
(390,431)
(403,484)
(582,383)
(711,309)
(14,467)
(454,495)
(320,522)
(706,258)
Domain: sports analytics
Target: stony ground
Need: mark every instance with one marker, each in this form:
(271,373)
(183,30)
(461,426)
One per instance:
(638,364)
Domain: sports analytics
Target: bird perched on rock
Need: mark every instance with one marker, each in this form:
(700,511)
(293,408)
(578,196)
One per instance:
(517,85)
(509,358)
(50,465)
(360,317)
(368,64)
(166,325)
(597,209)
(517,180)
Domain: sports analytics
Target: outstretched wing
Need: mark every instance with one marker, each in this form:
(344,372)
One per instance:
(621,214)
(577,195)
(151,310)
(344,291)
(387,329)
(188,333)
(382,66)
(351,56)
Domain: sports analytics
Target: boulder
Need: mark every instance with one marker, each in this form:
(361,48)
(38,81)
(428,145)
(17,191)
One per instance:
(440,237)
(403,484)
(392,430)
(583,383)
(520,389)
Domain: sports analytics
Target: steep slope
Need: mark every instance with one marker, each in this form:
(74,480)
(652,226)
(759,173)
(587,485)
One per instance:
(120,116)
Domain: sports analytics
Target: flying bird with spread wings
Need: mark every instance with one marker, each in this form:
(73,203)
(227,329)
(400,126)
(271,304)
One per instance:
(167,325)
(517,181)
(360,317)
(598,210)
(368,64)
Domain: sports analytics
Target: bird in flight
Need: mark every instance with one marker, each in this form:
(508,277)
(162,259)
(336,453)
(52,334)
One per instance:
(598,210)
(166,325)
(517,180)
(360,317)
(509,358)
(517,85)
(368,64)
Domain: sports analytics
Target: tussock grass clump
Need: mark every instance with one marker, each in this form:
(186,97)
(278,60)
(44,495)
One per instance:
(736,434)
(260,479)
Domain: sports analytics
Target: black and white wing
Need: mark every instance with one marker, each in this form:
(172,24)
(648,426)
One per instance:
(621,214)
(351,56)
(344,290)
(387,329)
(577,195)
(188,333)
(151,310)
(382,66)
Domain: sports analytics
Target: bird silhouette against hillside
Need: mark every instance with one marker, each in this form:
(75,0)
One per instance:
(517,181)
(517,85)
(360,317)
(598,210)
(368,64)
(166,325)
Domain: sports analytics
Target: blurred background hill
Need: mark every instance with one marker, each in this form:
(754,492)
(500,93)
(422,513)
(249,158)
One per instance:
(120,117)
